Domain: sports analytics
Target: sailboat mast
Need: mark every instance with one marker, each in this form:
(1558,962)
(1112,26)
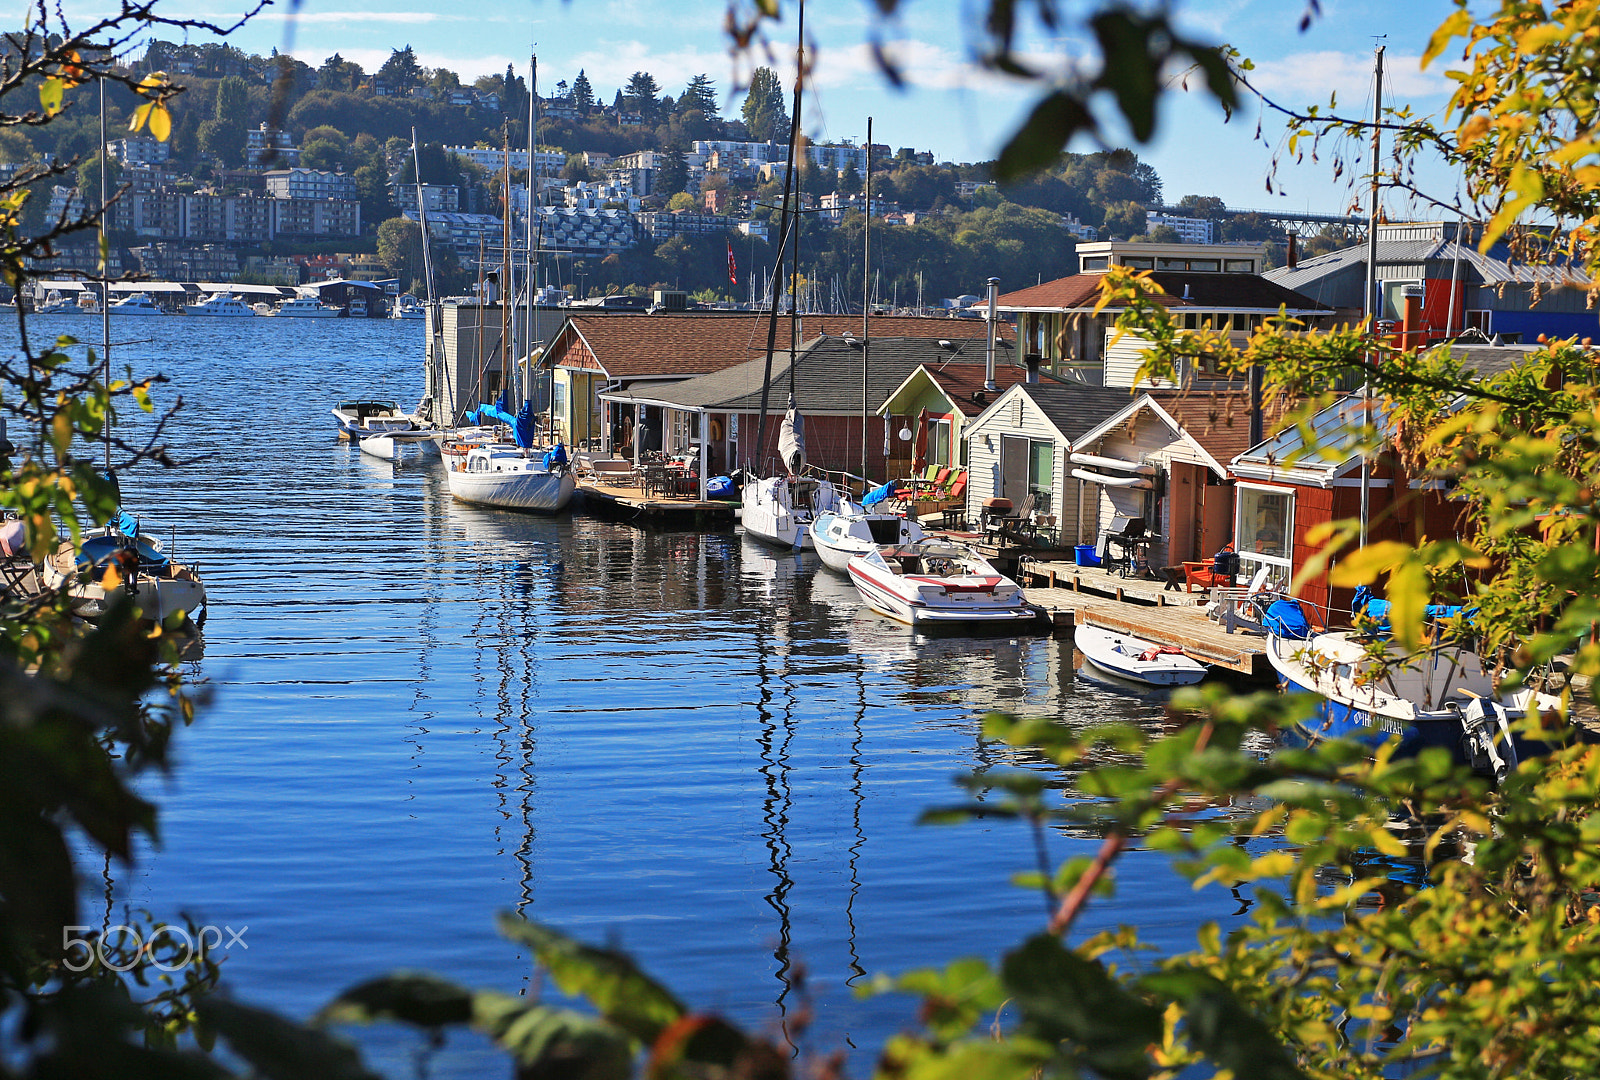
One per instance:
(532,269)
(794,220)
(786,217)
(1372,288)
(507,295)
(105,269)
(435,309)
(866,304)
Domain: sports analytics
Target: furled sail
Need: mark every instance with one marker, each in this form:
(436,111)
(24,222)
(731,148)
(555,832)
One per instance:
(792,439)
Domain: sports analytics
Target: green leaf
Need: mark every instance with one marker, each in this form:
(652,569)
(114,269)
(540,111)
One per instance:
(1222,1028)
(410,997)
(50,93)
(1129,70)
(1038,143)
(553,1042)
(1064,997)
(608,979)
(279,1048)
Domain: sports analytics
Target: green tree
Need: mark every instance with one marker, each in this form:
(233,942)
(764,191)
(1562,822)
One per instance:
(582,93)
(324,147)
(223,136)
(640,94)
(701,95)
(337,73)
(401,70)
(766,116)
(850,180)
(89,179)
(673,175)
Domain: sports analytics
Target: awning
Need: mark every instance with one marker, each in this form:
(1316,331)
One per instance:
(1140,467)
(1113,481)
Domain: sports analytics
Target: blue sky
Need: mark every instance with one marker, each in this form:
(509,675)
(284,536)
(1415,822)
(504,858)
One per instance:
(949,105)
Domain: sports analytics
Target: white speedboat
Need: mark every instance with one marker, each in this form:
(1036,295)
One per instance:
(779,510)
(137,304)
(853,530)
(1135,658)
(306,307)
(220,304)
(360,419)
(937,583)
(507,477)
(110,562)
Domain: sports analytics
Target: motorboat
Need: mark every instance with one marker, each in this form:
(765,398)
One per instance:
(1135,658)
(407,306)
(357,307)
(306,307)
(938,583)
(56,304)
(118,558)
(1373,690)
(851,530)
(508,477)
(136,304)
(220,304)
(779,510)
(360,419)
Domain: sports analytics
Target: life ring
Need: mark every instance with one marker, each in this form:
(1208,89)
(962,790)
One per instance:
(716,430)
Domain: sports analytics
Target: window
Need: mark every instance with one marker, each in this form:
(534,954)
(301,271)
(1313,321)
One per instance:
(1095,262)
(1239,266)
(1041,472)
(1139,262)
(1264,530)
(939,442)
(1204,266)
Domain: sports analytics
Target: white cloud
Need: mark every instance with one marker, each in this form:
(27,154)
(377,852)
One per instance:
(1310,77)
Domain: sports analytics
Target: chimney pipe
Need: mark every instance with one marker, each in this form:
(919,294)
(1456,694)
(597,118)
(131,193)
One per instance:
(1293,258)
(988,361)
(1411,318)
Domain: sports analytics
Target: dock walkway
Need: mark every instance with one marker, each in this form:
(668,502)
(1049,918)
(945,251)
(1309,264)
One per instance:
(1072,594)
(663,512)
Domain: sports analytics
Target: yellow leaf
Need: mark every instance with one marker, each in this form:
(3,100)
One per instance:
(1362,566)
(1476,127)
(1408,597)
(1540,37)
(140,115)
(50,92)
(160,121)
(1453,27)
(110,580)
(153,80)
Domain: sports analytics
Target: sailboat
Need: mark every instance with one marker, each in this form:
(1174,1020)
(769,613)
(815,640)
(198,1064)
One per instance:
(513,476)
(779,509)
(119,556)
(854,529)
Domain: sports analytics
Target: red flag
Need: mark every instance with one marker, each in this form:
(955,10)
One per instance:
(733,271)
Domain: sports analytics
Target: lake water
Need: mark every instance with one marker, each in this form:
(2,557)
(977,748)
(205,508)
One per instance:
(422,714)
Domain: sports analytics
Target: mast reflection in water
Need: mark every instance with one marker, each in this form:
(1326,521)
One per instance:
(423,714)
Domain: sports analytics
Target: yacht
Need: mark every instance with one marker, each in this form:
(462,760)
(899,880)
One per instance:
(509,477)
(408,307)
(306,307)
(220,304)
(357,307)
(137,304)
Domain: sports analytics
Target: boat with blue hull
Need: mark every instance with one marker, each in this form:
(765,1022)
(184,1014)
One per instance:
(1373,691)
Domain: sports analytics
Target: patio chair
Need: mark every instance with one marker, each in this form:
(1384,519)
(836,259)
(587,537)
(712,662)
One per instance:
(1221,569)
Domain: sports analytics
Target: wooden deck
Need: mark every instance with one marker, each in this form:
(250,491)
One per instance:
(630,504)
(1073,594)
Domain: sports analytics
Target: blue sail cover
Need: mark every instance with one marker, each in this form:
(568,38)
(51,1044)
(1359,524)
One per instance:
(490,412)
(522,430)
(878,494)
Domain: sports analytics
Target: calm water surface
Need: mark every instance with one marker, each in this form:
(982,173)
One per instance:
(681,744)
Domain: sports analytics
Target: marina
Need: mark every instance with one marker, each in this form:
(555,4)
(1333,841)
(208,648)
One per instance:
(420,713)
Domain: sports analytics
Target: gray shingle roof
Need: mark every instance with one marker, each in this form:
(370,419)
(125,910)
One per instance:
(1075,408)
(827,377)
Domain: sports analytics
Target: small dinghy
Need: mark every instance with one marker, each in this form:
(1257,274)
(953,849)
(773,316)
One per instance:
(1135,658)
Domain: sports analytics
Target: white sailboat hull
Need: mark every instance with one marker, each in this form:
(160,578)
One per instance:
(503,478)
(840,537)
(779,511)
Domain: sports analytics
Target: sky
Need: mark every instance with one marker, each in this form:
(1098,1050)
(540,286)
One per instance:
(948,104)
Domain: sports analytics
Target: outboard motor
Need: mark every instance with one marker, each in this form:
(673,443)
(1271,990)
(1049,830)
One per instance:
(1486,739)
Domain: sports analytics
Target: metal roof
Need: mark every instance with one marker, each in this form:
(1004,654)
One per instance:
(1492,269)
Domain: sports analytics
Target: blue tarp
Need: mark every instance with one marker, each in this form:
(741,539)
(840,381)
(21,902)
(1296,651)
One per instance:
(556,455)
(1365,605)
(878,494)
(719,487)
(1286,619)
(523,428)
(490,412)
